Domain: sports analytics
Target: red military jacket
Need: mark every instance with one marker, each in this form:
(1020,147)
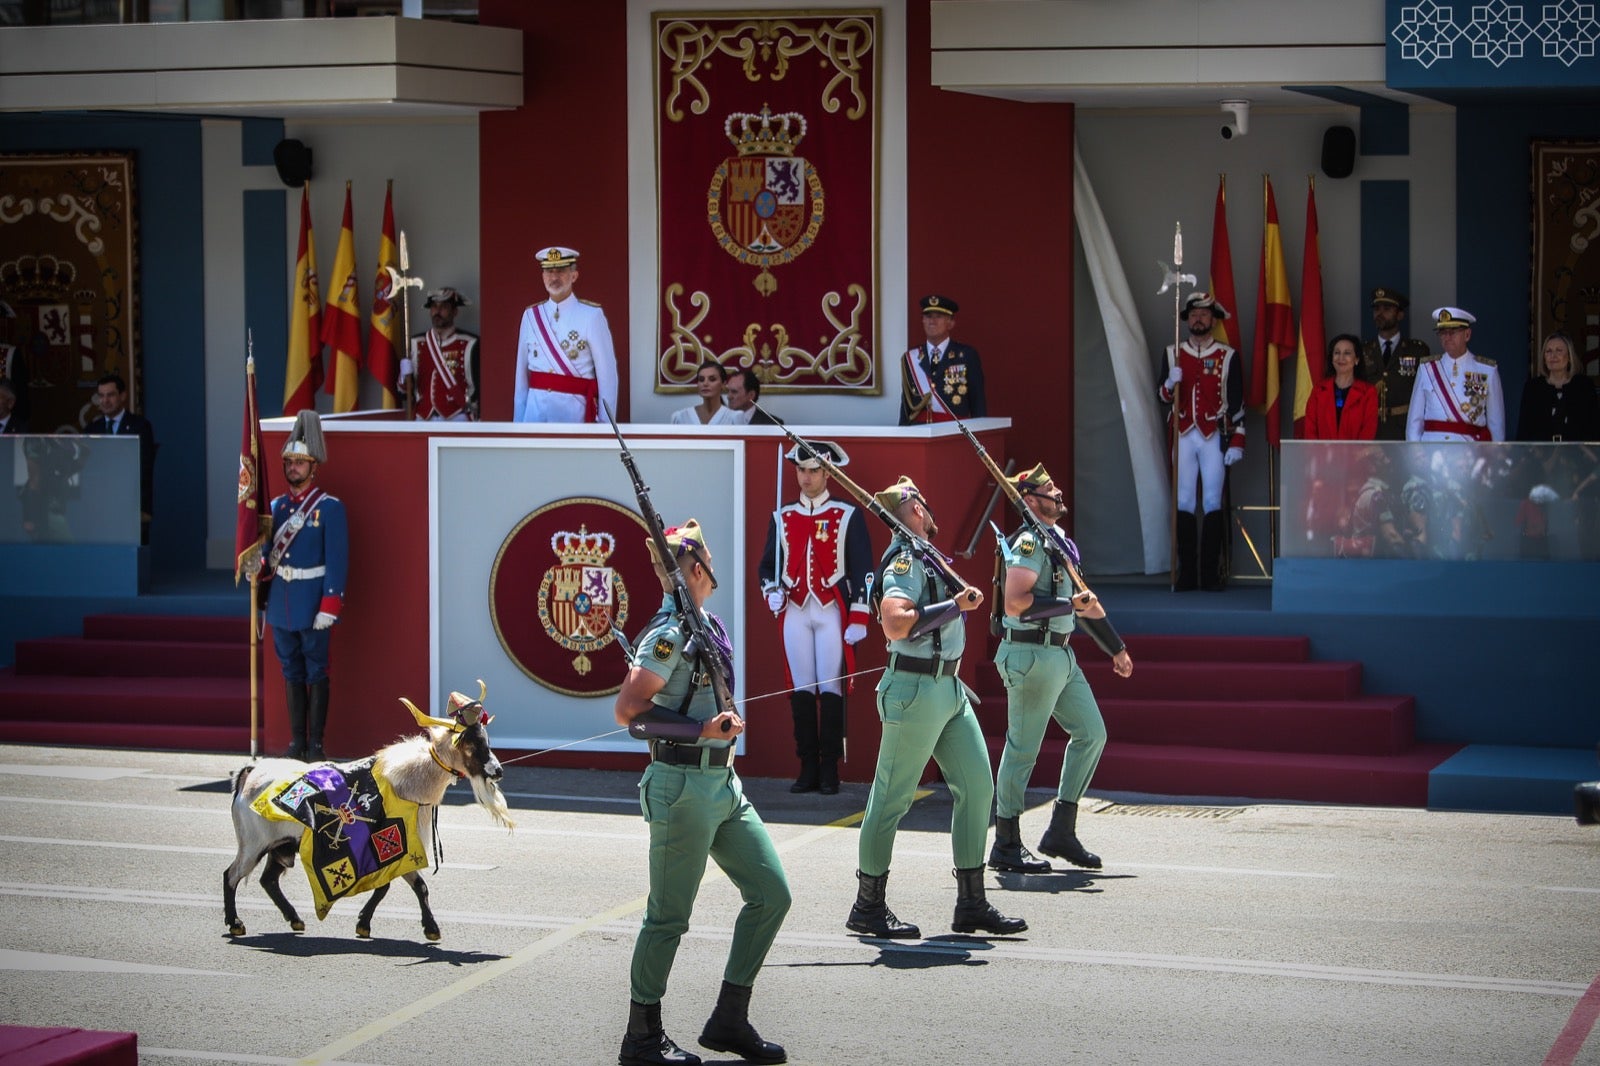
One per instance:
(1211,394)
(447,374)
(826,553)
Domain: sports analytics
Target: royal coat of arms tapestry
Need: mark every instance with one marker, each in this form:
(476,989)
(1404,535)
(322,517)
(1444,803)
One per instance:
(766,156)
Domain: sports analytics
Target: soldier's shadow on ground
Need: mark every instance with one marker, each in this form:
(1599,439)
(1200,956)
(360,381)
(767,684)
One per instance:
(1058,882)
(298,945)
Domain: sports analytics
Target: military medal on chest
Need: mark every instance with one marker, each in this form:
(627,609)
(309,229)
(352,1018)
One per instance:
(955,380)
(821,533)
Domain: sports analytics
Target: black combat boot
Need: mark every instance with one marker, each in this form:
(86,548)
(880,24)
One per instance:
(646,1043)
(974,912)
(1009,854)
(297,720)
(830,742)
(871,916)
(317,721)
(1060,841)
(729,1028)
(803,705)
(1186,553)
(1213,541)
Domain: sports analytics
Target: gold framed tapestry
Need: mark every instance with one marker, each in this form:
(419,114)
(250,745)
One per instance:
(69,282)
(767,198)
(1566,248)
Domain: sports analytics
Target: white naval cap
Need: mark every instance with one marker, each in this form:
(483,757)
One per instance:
(1451,318)
(556,256)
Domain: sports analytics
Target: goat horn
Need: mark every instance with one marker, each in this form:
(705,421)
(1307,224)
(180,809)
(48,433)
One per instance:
(426,720)
(483,690)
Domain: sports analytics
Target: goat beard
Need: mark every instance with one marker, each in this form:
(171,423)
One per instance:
(491,799)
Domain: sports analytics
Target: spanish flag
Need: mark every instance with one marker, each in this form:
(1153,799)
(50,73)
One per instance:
(1313,339)
(1222,268)
(303,376)
(1274,321)
(383,360)
(341,326)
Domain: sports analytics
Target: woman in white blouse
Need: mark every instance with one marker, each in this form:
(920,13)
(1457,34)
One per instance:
(709,381)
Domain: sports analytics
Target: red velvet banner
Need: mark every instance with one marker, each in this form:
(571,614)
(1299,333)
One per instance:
(756,116)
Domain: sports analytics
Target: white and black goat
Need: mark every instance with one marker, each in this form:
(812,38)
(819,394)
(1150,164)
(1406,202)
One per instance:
(417,768)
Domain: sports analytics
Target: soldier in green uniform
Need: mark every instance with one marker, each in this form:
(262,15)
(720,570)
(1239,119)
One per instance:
(1391,362)
(925,712)
(1043,682)
(696,808)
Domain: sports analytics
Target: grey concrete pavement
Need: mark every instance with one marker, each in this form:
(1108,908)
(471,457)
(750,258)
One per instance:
(1216,933)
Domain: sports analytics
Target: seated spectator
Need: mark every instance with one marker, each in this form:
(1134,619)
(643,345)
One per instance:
(1342,407)
(1559,403)
(111,396)
(9,422)
(744,389)
(710,411)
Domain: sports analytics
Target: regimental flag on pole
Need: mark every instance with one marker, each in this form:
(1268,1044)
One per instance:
(383,359)
(255,511)
(304,374)
(1313,333)
(1222,270)
(1274,321)
(341,326)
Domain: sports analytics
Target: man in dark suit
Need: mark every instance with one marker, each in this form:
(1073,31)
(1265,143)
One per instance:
(111,396)
(941,379)
(744,389)
(9,422)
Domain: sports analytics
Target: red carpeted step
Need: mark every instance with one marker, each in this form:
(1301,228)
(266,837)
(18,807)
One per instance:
(1177,770)
(1366,725)
(179,627)
(1225,681)
(1159,648)
(132,735)
(89,657)
(24,1046)
(136,702)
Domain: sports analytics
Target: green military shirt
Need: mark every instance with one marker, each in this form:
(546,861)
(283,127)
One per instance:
(904,576)
(1026,552)
(660,651)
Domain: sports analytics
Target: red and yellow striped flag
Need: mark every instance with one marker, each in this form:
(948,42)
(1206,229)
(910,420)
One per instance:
(1313,332)
(1274,322)
(383,358)
(1222,270)
(341,325)
(303,376)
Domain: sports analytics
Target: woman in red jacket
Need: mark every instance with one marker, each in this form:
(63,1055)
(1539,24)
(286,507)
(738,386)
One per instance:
(1342,407)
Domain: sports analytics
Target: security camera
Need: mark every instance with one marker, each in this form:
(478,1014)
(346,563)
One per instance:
(1238,121)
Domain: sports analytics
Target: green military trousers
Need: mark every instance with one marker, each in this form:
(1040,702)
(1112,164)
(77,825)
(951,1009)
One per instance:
(926,716)
(696,813)
(1044,683)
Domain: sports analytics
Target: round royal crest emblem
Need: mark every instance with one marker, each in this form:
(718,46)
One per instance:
(765,202)
(559,592)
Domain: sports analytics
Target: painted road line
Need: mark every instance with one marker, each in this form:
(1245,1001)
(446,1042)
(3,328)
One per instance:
(74,773)
(39,962)
(146,1053)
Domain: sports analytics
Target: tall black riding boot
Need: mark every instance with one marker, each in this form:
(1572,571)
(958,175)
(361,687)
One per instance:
(1186,552)
(1009,854)
(1213,538)
(871,916)
(729,1028)
(803,705)
(317,721)
(297,719)
(1061,839)
(646,1043)
(830,742)
(974,912)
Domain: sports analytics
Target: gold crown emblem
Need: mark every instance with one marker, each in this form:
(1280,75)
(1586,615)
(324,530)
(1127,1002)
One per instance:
(766,133)
(38,277)
(583,548)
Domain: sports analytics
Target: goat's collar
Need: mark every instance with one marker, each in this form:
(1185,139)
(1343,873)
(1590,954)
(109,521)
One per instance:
(457,774)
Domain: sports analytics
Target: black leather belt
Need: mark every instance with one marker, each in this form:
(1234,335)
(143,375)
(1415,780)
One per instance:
(911,664)
(689,754)
(1038,636)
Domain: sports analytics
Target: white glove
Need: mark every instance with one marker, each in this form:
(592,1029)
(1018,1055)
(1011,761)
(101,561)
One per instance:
(1174,376)
(1233,455)
(854,632)
(405,369)
(774,602)
(324,620)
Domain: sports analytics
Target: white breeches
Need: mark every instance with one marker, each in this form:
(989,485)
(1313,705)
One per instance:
(813,640)
(1196,451)
(545,406)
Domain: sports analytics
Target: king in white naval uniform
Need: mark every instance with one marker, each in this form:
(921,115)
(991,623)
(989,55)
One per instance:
(1457,395)
(566,366)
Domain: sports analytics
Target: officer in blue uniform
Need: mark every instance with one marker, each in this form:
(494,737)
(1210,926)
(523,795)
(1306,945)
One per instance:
(303,571)
(941,378)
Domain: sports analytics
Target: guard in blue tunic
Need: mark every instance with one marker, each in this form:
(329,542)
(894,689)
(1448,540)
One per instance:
(696,809)
(303,575)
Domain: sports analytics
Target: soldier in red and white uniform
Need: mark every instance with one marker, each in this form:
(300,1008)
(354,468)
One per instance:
(1206,379)
(445,361)
(816,579)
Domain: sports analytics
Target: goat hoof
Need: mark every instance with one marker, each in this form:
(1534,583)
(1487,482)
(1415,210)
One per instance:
(298,926)
(364,932)
(431,934)
(236,929)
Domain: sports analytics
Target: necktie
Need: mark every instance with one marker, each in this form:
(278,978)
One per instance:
(1388,346)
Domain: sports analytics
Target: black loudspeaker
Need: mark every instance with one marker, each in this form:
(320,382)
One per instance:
(1338,151)
(293,160)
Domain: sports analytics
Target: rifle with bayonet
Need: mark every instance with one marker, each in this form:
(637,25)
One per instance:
(658,723)
(1100,630)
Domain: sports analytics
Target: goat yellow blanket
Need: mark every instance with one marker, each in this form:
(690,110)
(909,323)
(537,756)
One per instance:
(358,835)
